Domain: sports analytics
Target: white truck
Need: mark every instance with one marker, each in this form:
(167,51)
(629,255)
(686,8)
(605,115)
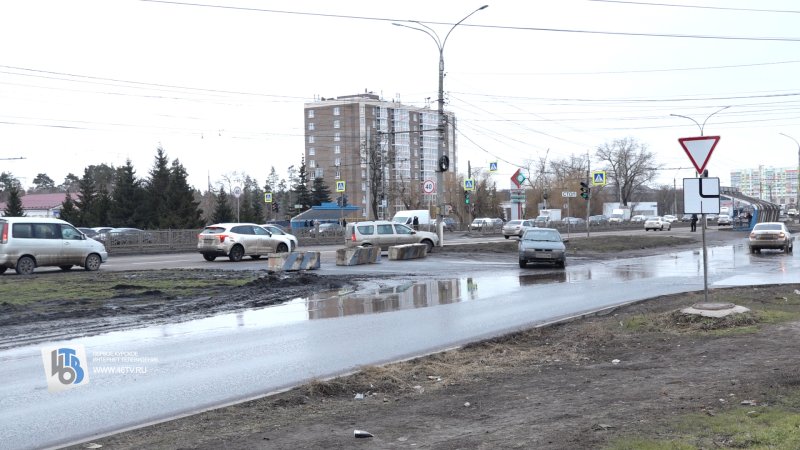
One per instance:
(619,215)
(407,217)
(547,217)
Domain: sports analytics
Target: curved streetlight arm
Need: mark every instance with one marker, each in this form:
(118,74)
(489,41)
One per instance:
(704,122)
(459,23)
(695,122)
(431,33)
(795,140)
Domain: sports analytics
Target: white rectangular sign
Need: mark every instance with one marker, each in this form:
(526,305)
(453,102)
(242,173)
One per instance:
(701,195)
(569,194)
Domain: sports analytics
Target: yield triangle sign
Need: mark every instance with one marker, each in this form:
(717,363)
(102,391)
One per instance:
(699,150)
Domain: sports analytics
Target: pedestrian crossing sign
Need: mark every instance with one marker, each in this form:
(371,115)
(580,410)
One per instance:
(340,186)
(469,184)
(599,178)
(493,167)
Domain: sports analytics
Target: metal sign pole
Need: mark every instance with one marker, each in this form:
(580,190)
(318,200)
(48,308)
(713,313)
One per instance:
(705,254)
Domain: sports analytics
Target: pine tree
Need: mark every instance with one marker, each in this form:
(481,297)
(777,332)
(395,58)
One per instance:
(156,190)
(87,196)
(222,210)
(302,194)
(127,209)
(320,192)
(14,204)
(68,210)
(182,211)
(102,207)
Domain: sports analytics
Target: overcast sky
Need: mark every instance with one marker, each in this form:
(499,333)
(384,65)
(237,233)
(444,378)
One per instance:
(221,85)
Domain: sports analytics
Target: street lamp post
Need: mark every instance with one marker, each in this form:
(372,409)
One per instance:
(440,151)
(703,215)
(797,202)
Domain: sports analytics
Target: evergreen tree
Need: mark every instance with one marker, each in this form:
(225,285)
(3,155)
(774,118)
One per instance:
(87,197)
(70,184)
(102,207)
(320,192)
(301,191)
(156,190)
(182,211)
(68,210)
(42,183)
(14,204)
(222,210)
(126,201)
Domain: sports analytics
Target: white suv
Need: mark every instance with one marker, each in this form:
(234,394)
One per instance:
(384,234)
(235,240)
(30,242)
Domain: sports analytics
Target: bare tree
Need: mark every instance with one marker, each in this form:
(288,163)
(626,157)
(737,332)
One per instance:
(629,163)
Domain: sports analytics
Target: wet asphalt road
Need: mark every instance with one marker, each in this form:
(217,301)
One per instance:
(183,368)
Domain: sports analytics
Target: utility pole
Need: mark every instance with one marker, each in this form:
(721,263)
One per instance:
(589,182)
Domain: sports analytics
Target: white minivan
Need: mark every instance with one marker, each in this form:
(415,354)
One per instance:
(30,242)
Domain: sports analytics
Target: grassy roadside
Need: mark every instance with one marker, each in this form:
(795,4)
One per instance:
(94,286)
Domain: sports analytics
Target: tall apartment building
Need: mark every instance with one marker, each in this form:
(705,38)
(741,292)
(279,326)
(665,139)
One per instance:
(382,150)
(775,185)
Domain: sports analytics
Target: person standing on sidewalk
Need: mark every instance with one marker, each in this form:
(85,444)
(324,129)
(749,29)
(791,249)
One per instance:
(694,222)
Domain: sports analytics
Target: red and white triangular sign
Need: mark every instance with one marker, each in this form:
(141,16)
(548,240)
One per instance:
(699,150)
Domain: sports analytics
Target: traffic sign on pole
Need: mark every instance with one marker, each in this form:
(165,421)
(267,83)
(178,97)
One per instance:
(428,186)
(699,149)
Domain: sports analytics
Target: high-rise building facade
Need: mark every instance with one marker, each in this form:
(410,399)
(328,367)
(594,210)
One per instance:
(775,185)
(383,151)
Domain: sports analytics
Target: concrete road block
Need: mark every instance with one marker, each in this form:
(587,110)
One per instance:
(353,256)
(293,262)
(408,251)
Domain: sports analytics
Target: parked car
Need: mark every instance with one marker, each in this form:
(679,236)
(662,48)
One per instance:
(128,236)
(656,223)
(486,224)
(235,240)
(281,233)
(670,218)
(686,218)
(449,224)
(770,235)
(30,242)
(616,219)
(516,227)
(89,232)
(598,220)
(542,245)
(573,221)
(639,218)
(723,220)
(385,233)
(327,229)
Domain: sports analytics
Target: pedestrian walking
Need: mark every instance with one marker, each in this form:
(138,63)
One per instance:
(694,222)
(416,223)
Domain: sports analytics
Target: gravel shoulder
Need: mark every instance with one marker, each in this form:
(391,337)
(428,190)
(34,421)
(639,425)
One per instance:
(634,373)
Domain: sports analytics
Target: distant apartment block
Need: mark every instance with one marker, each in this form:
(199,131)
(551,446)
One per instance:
(382,150)
(775,185)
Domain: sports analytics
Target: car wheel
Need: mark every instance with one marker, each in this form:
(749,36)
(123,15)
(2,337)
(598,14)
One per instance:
(293,246)
(562,263)
(92,262)
(25,265)
(65,267)
(236,254)
(523,264)
(209,257)
(428,246)
(282,248)
(506,236)
(3,269)
(255,256)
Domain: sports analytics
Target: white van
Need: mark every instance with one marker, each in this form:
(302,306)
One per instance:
(407,218)
(30,242)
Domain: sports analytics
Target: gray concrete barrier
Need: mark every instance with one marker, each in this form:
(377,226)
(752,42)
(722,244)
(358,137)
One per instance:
(353,256)
(293,262)
(408,251)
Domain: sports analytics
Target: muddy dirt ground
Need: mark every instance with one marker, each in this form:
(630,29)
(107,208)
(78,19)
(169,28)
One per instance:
(630,371)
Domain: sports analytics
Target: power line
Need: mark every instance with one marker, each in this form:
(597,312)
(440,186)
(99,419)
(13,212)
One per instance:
(723,8)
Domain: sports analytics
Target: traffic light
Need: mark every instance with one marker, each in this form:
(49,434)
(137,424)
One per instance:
(444,163)
(585,190)
(466,197)
(275,207)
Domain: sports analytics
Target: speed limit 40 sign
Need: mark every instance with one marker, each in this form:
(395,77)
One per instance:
(428,187)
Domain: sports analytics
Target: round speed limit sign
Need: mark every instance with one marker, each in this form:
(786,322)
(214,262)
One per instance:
(428,187)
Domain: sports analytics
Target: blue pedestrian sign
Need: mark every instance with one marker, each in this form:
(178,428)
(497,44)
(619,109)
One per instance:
(599,178)
(469,184)
(493,167)
(340,186)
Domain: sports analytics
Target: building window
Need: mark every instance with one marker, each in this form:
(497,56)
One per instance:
(336,137)
(318,172)
(363,173)
(312,151)
(337,149)
(336,124)
(363,186)
(336,111)
(312,164)
(310,113)
(337,162)
(311,139)
(338,174)
(310,126)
